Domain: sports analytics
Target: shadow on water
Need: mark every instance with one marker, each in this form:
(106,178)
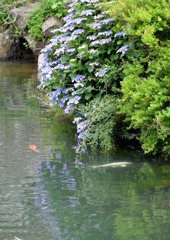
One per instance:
(53,193)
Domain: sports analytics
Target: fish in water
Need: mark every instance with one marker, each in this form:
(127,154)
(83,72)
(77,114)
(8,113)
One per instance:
(114,164)
(16,238)
(33,147)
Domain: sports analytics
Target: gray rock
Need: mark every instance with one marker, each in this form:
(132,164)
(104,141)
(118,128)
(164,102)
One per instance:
(49,25)
(6,44)
(20,15)
(34,45)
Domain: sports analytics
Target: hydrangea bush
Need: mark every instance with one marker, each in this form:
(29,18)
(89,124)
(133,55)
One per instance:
(83,62)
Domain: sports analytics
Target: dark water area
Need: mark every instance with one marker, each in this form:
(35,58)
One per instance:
(48,192)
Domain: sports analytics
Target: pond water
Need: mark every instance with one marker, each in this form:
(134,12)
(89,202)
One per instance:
(48,192)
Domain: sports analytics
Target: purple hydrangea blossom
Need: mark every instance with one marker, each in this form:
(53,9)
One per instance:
(78,78)
(69,11)
(78,32)
(79,85)
(71,38)
(56,96)
(72,102)
(94,64)
(45,70)
(78,20)
(70,50)
(123,49)
(106,33)
(53,96)
(74,93)
(57,61)
(61,67)
(68,17)
(62,101)
(101,41)
(80,55)
(62,38)
(82,135)
(120,34)
(96,25)
(77,120)
(59,51)
(82,126)
(44,61)
(88,12)
(99,16)
(106,21)
(101,72)
(92,51)
(67,28)
(65,90)
(91,37)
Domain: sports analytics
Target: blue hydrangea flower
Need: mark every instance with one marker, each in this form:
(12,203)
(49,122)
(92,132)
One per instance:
(99,16)
(92,51)
(94,64)
(79,78)
(70,50)
(55,61)
(72,102)
(101,72)
(123,49)
(82,126)
(120,34)
(79,85)
(78,20)
(97,25)
(78,32)
(68,17)
(106,21)
(88,12)
(67,28)
(91,37)
(101,41)
(106,33)
(62,66)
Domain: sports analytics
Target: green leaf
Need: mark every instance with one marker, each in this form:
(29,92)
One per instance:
(90,68)
(114,56)
(88,96)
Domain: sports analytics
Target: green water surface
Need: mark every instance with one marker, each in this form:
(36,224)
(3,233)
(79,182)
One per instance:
(55,194)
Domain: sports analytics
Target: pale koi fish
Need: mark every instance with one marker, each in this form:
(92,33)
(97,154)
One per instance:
(16,238)
(114,164)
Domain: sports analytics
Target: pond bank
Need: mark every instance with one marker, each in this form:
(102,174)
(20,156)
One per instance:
(16,42)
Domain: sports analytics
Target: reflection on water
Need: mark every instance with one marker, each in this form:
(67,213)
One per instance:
(53,193)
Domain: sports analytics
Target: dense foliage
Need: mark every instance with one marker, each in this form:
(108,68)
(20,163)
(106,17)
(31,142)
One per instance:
(105,68)
(82,65)
(146,83)
(6,6)
(46,9)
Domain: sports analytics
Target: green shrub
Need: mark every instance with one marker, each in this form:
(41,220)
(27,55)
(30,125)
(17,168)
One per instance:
(47,9)
(146,85)
(101,117)
(6,6)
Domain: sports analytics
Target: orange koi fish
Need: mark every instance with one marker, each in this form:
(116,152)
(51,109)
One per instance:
(33,147)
